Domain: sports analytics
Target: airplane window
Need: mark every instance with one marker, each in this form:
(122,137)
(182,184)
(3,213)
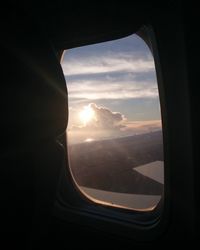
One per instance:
(114,133)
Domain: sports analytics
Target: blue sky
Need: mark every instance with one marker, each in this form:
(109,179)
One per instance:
(117,75)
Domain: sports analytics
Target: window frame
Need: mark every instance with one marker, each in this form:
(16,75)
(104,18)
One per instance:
(77,205)
(179,215)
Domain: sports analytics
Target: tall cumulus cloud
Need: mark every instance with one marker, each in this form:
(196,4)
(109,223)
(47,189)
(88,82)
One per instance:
(106,119)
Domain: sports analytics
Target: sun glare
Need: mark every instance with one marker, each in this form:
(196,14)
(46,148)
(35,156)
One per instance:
(86,115)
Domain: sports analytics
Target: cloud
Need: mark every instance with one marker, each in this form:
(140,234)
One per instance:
(107,119)
(132,78)
(139,127)
(119,75)
(122,62)
(104,119)
(108,124)
(112,89)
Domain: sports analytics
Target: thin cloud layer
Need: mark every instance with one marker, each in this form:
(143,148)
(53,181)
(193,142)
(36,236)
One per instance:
(120,76)
(139,127)
(108,64)
(122,86)
(121,71)
(112,89)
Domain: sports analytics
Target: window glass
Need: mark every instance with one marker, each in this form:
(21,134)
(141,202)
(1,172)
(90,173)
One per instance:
(114,133)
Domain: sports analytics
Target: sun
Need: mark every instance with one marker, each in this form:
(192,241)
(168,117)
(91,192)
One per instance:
(87,115)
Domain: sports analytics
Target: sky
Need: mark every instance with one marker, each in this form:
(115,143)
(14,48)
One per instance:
(112,90)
